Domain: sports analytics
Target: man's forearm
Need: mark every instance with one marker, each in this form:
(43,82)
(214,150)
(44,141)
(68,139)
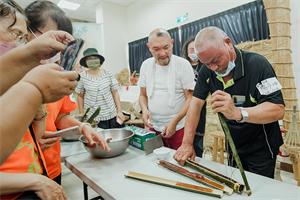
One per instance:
(192,120)
(265,113)
(143,102)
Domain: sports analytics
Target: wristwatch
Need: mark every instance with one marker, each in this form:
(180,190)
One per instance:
(244,114)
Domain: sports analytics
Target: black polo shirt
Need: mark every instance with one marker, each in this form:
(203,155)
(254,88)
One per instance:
(252,141)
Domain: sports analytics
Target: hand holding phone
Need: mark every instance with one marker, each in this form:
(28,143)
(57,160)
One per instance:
(119,121)
(64,133)
(70,55)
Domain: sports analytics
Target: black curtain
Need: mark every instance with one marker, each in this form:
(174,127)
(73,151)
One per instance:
(174,33)
(241,24)
(138,52)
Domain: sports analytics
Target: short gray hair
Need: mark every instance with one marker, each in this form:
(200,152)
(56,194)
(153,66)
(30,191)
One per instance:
(209,36)
(159,32)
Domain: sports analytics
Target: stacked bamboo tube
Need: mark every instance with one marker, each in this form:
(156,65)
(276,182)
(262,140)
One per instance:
(278,13)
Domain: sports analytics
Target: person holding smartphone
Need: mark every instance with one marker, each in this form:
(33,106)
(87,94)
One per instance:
(98,87)
(57,113)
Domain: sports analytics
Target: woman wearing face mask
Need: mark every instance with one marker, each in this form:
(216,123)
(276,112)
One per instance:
(58,113)
(98,87)
(188,52)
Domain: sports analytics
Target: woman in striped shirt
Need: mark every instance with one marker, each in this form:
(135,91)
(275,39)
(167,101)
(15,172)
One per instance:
(98,87)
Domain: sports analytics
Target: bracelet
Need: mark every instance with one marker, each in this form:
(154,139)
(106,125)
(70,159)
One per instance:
(40,119)
(81,126)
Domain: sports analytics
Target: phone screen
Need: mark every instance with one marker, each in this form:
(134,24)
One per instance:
(71,54)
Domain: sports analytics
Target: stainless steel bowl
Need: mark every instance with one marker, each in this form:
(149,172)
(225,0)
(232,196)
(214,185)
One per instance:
(118,141)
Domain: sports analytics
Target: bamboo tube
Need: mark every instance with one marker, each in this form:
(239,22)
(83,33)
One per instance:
(234,151)
(175,184)
(236,186)
(195,176)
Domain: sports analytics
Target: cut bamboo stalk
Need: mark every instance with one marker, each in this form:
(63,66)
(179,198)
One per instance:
(175,184)
(234,151)
(236,186)
(196,176)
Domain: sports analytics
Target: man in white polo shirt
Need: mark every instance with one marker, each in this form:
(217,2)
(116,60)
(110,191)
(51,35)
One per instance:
(167,84)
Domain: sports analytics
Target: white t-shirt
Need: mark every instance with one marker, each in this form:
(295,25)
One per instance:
(158,103)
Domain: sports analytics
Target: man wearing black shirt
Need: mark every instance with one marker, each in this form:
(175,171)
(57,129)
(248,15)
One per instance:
(245,89)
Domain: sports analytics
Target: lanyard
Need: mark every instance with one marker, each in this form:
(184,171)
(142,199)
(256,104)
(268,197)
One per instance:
(34,139)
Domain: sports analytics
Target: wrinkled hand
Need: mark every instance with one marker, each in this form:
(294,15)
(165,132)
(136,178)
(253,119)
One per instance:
(52,82)
(45,144)
(121,116)
(48,44)
(184,152)
(169,129)
(50,190)
(222,102)
(147,115)
(91,135)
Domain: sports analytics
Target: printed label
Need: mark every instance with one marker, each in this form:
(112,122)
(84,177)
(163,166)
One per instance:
(268,86)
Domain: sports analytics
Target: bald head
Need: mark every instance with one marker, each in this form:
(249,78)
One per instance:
(209,36)
(159,32)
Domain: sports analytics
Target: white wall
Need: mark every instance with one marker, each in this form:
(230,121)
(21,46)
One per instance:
(115,42)
(295,43)
(145,16)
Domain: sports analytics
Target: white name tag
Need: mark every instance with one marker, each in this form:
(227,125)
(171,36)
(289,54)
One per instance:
(268,86)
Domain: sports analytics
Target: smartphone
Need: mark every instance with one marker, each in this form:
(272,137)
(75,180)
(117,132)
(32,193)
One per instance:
(70,55)
(119,121)
(65,132)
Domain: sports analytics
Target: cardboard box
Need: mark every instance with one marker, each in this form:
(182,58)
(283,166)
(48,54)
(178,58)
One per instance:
(140,136)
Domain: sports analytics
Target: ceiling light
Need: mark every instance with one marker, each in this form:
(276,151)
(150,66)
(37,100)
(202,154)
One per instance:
(68,5)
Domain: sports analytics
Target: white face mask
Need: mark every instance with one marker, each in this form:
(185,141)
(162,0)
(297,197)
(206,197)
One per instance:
(231,66)
(54,59)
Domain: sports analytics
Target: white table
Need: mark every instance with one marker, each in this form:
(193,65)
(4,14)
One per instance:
(106,177)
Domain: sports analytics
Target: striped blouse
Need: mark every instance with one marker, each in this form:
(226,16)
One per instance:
(98,92)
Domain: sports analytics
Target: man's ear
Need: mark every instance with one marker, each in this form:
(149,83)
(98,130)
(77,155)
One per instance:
(228,41)
(148,46)
(172,41)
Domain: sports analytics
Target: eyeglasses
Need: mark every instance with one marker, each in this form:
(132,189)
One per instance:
(18,39)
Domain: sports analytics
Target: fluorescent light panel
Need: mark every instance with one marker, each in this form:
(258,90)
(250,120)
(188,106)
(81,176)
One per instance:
(68,5)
